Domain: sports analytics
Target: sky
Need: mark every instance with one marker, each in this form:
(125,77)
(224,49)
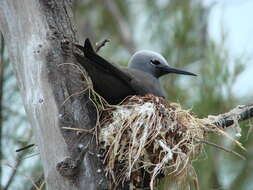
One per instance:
(235,18)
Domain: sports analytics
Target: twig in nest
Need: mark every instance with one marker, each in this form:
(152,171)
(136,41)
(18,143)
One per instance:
(101,44)
(220,147)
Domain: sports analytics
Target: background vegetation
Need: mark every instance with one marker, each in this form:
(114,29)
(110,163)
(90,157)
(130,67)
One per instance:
(178,30)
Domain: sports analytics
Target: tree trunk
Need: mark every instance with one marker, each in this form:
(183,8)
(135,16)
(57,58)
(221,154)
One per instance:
(34,31)
(1,97)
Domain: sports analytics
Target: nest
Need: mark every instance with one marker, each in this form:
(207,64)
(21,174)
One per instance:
(145,140)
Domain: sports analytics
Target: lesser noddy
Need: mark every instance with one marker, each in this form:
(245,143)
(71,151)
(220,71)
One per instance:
(115,83)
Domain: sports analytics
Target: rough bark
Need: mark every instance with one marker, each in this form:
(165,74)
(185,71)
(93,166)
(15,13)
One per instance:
(1,96)
(239,113)
(34,31)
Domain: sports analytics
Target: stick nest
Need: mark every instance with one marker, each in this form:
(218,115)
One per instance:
(146,139)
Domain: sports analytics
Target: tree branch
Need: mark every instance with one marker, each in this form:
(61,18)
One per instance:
(15,169)
(101,44)
(220,147)
(239,113)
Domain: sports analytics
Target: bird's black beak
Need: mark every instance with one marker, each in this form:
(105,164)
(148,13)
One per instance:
(177,71)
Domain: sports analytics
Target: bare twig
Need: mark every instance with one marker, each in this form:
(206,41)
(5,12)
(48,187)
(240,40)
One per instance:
(25,147)
(101,44)
(220,147)
(14,171)
(239,113)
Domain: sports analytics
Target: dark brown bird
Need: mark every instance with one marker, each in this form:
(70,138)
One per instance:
(115,83)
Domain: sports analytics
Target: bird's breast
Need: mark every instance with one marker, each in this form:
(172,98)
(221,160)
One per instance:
(144,83)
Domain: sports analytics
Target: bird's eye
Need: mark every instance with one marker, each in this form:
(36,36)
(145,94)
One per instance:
(155,62)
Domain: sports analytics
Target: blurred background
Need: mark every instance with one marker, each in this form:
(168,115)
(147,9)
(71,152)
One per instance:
(208,37)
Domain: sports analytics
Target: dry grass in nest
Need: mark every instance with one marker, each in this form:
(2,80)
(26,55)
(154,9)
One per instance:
(148,135)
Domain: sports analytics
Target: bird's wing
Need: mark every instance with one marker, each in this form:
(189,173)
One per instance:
(109,81)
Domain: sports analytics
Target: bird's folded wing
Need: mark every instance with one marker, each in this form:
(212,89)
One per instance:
(109,81)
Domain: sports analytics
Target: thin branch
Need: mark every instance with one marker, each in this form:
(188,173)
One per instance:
(14,171)
(219,147)
(25,147)
(239,113)
(101,44)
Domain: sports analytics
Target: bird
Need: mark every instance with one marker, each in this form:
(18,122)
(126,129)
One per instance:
(115,83)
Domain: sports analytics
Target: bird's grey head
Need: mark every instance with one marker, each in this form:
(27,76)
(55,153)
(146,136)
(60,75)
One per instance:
(153,63)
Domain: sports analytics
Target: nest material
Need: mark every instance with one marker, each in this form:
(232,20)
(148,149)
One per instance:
(146,139)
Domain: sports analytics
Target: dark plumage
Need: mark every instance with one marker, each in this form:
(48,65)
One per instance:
(115,83)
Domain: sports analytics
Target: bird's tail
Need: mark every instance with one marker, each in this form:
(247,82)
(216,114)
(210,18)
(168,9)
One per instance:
(92,59)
